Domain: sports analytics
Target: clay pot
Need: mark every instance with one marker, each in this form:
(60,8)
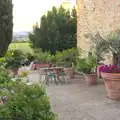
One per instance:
(70,72)
(91,79)
(14,71)
(112,85)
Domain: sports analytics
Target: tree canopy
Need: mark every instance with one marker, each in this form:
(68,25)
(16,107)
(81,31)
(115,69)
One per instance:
(6,25)
(57,30)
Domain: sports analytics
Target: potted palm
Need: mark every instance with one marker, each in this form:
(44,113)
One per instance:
(111,73)
(13,59)
(87,66)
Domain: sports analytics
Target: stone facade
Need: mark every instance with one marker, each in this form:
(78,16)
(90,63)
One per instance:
(94,16)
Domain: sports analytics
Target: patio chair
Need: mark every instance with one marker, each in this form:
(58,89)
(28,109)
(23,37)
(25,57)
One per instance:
(42,72)
(60,75)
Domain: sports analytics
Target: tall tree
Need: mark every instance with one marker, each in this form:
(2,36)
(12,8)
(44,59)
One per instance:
(6,25)
(57,30)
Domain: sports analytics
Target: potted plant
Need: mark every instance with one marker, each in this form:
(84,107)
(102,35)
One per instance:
(69,69)
(13,60)
(87,66)
(67,59)
(44,58)
(111,73)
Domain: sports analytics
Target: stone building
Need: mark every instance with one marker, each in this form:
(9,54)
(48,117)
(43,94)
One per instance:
(94,16)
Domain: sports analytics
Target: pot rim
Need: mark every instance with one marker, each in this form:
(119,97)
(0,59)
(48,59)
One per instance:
(111,73)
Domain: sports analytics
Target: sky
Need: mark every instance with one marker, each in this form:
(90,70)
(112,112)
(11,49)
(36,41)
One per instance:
(28,12)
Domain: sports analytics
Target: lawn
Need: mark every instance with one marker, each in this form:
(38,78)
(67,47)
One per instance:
(21,46)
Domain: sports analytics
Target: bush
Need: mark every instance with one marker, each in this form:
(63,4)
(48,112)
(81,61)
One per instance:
(13,59)
(67,57)
(44,57)
(26,103)
(30,57)
(4,76)
(86,65)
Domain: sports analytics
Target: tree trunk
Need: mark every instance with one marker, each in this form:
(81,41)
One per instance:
(119,60)
(115,59)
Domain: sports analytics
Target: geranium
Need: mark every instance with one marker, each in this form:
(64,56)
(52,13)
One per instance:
(109,69)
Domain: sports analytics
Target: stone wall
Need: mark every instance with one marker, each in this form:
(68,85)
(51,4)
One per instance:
(94,16)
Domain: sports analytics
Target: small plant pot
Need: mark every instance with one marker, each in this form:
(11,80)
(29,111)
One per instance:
(70,72)
(112,85)
(14,71)
(91,79)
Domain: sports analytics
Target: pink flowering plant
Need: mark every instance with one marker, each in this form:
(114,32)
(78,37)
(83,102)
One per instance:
(109,69)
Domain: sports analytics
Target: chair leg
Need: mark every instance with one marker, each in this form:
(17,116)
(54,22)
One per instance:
(55,80)
(60,79)
(63,78)
(51,79)
(47,80)
(39,78)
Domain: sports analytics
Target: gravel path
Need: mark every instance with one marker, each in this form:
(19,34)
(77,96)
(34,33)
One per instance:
(77,101)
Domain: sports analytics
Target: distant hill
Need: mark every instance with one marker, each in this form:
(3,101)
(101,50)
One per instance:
(21,36)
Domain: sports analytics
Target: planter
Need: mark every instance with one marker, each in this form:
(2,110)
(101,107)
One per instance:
(36,66)
(112,85)
(14,71)
(70,72)
(91,79)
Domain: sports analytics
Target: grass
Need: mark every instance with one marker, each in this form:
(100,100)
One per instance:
(21,46)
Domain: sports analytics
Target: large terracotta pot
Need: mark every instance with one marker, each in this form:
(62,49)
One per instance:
(14,71)
(70,72)
(91,79)
(112,85)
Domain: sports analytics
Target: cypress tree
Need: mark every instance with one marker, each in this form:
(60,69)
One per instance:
(6,25)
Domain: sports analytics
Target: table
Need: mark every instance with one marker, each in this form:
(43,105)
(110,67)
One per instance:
(53,72)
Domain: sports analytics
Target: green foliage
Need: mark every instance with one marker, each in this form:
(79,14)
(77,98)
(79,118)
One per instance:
(44,57)
(86,65)
(6,25)
(4,76)
(110,43)
(30,57)
(26,103)
(2,61)
(57,31)
(67,57)
(13,59)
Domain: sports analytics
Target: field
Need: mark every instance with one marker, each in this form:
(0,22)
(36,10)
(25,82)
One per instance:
(21,46)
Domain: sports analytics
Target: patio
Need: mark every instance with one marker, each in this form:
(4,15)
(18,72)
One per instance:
(77,101)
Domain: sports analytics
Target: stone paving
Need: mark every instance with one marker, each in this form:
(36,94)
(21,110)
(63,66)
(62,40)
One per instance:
(77,101)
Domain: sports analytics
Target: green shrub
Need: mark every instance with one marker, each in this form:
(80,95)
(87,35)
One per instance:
(13,59)
(44,57)
(4,76)
(86,65)
(67,57)
(26,103)
(30,57)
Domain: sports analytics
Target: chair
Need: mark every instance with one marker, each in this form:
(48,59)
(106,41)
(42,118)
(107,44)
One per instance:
(41,71)
(61,75)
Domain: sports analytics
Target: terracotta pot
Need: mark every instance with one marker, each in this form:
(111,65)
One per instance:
(70,72)
(36,66)
(14,71)
(112,85)
(91,79)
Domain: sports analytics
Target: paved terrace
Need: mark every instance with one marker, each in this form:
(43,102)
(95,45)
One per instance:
(77,101)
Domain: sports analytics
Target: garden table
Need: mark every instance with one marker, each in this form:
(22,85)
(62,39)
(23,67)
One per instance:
(53,72)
